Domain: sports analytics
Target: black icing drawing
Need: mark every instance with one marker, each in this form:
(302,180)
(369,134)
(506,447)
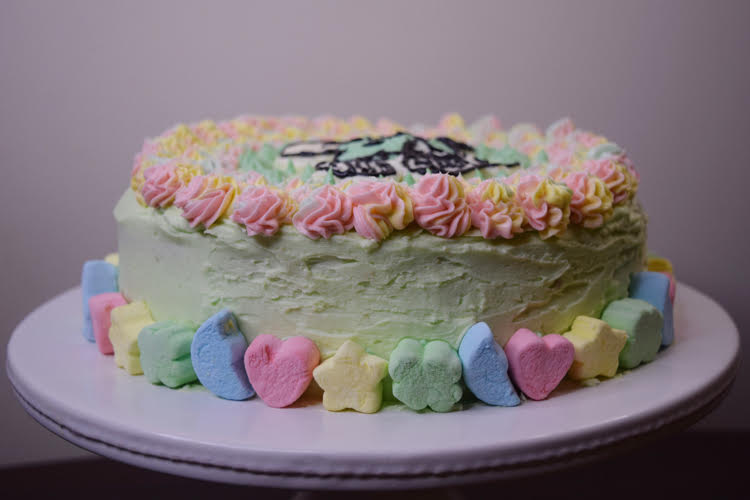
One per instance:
(440,155)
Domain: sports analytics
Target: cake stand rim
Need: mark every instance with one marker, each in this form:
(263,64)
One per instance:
(352,471)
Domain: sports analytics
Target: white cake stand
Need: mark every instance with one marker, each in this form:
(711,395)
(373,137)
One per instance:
(79,394)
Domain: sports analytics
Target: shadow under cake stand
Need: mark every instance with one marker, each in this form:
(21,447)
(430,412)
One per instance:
(71,389)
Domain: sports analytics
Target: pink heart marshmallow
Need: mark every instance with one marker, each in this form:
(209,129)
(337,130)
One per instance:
(280,371)
(101,306)
(538,364)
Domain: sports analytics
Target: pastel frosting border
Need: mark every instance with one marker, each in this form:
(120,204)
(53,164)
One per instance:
(576,177)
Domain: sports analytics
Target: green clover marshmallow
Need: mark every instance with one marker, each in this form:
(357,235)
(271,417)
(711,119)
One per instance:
(165,353)
(425,373)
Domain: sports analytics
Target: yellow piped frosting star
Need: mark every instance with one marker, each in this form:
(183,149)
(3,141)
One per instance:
(351,378)
(127,323)
(597,347)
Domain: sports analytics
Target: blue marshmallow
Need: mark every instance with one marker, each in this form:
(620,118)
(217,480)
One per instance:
(97,277)
(653,287)
(485,367)
(217,352)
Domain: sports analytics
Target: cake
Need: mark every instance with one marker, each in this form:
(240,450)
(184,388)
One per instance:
(357,237)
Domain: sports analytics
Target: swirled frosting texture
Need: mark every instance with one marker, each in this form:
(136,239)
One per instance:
(206,198)
(614,172)
(417,165)
(379,208)
(440,205)
(326,212)
(591,201)
(545,204)
(494,210)
(262,210)
(161,183)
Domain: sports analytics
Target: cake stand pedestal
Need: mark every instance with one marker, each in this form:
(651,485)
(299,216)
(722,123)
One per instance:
(79,394)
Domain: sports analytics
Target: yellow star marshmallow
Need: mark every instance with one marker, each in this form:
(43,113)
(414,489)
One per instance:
(597,348)
(351,378)
(127,323)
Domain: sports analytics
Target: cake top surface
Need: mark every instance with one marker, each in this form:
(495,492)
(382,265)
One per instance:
(327,176)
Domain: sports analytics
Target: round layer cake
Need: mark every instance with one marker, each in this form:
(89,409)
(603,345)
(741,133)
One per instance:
(342,230)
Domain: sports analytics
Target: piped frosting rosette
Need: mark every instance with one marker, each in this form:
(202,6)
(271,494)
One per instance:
(449,178)
(206,198)
(263,209)
(161,182)
(494,210)
(591,201)
(619,177)
(327,211)
(440,205)
(379,208)
(527,138)
(545,204)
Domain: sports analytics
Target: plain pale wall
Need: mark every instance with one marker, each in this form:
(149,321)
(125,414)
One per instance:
(81,85)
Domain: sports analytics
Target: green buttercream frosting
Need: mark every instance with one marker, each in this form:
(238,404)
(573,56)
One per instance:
(604,149)
(262,161)
(360,148)
(437,143)
(268,153)
(330,179)
(307,172)
(510,156)
(374,293)
(541,157)
(409,179)
(483,151)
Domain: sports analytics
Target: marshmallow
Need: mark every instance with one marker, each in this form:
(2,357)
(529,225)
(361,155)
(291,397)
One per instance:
(216,352)
(643,324)
(655,288)
(101,306)
(165,353)
(538,364)
(672,285)
(659,264)
(113,258)
(97,277)
(280,370)
(425,373)
(597,348)
(351,378)
(127,323)
(664,266)
(485,367)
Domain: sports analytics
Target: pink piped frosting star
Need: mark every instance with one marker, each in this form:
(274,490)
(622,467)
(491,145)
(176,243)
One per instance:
(440,206)
(206,198)
(161,182)
(262,210)
(327,211)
